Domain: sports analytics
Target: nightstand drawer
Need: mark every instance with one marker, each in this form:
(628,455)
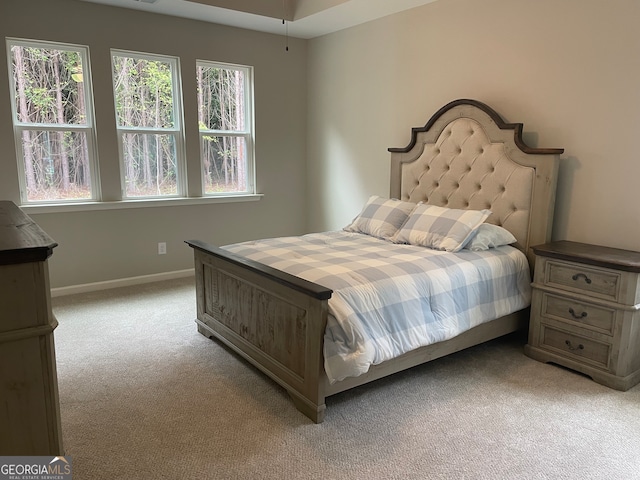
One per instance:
(575,345)
(588,315)
(578,278)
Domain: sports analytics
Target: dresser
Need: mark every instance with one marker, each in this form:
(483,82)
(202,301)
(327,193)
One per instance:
(29,404)
(585,311)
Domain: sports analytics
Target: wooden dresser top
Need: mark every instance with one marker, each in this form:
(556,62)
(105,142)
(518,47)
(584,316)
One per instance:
(597,255)
(21,239)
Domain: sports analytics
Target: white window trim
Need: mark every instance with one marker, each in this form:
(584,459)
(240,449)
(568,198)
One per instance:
(141,203)
(96,202)
(89,129)
(177,131)
(248,134)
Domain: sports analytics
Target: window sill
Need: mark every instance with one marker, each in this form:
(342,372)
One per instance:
(142,203)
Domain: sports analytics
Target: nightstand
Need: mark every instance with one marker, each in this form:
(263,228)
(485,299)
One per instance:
(585,311)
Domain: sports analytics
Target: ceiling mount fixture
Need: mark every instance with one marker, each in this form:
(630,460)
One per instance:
(146,1)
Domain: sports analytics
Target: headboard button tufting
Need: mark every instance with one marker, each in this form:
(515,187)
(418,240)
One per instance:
(474,159)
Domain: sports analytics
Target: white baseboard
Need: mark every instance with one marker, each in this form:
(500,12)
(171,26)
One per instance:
(121,282)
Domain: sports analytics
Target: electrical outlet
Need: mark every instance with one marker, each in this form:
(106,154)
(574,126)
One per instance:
(162,248)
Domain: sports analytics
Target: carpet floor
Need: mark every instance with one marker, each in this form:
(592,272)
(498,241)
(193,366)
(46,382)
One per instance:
(144,396)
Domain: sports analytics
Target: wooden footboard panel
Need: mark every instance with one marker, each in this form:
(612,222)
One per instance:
(274,320)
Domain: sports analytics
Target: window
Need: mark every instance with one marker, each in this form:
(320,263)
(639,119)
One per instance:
(148,114)
(56,138)
(53,121)
(225,119)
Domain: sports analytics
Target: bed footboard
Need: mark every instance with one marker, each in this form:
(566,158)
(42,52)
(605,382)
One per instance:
(274,320)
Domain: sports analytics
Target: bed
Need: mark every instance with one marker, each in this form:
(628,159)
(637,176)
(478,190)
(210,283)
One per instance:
(466,159)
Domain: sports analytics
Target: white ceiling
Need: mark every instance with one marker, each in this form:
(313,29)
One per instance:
(306,18)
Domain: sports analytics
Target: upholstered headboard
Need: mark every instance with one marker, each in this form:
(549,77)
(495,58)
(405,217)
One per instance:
(467,157)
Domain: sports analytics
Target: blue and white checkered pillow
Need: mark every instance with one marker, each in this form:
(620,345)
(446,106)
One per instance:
(440,228)
(381,217)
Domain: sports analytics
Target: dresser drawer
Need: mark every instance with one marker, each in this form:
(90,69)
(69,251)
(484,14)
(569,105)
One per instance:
(577,346)
(598,318)
(600,283)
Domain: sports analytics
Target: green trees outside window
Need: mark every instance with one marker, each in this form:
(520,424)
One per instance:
(147,115)
(224,117)
(53,121)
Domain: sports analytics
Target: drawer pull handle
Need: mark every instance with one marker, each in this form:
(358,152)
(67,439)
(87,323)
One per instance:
(574,315)
(571,347)
(579,275)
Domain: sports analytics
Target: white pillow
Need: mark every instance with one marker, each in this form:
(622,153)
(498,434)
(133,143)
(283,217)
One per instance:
(440,228)
(381,217)
(489,236)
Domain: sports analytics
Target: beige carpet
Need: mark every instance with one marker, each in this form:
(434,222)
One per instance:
(144,396)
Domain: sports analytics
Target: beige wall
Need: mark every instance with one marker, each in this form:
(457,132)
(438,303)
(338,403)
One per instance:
(104,245)
(568,69)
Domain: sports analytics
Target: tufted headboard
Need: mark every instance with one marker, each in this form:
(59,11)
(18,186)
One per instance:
(467,157)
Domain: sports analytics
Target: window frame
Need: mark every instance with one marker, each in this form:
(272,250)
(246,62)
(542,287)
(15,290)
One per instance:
(177,131)
(248,133)
(187,192)
(88,128)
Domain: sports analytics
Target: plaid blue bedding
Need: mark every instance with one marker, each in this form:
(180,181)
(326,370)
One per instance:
(389,299)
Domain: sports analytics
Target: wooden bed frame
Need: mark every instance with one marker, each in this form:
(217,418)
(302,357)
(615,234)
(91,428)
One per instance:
(466,156)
